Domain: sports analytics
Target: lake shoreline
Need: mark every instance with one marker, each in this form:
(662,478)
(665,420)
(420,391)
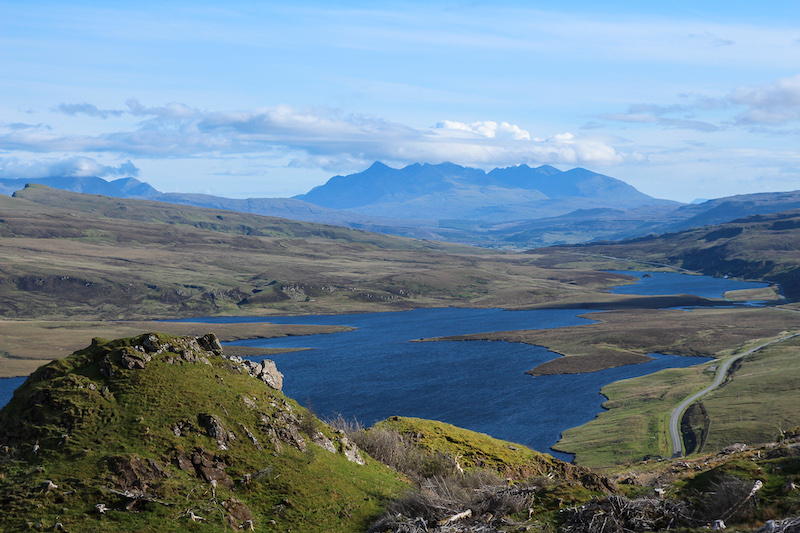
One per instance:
(368,369)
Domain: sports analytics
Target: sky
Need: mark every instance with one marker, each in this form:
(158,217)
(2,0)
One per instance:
(681,99)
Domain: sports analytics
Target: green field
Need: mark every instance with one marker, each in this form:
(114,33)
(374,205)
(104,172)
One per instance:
(760,401)
(757,402)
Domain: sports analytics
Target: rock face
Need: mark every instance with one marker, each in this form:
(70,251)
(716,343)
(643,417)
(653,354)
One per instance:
(266,371)
(190,350)
(216,430)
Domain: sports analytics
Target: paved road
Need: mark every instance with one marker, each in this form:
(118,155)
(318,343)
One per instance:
(675,415)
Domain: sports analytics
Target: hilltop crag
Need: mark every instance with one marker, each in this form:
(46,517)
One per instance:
(161,433)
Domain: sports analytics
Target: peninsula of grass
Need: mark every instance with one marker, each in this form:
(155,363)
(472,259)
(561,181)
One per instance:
(634,426)
(624,337)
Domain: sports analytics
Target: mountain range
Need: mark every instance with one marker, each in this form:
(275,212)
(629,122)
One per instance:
(456,192)
(515,207)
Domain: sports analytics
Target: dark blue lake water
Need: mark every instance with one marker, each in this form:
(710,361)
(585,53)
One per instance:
(376,371)
(7,388)
(663,283)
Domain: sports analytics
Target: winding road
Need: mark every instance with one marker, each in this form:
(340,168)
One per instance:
(675,415)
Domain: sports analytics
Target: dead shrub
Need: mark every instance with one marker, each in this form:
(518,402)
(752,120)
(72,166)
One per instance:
(349,427)
(787,525)
(442,491)
(439,499)
(395,451)
(730,499)
(617,514)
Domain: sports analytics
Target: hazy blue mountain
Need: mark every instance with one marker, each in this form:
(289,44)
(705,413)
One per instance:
(131,187)
(577,182)
(514,207)
(379,182)
(732,207)
(88,185)
(452,191)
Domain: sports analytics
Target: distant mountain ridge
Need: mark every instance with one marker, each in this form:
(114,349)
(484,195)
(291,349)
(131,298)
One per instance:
(119,188)
(453,191)
(515,207)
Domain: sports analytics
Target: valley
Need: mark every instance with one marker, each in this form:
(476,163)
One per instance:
(77,266)
(399,267)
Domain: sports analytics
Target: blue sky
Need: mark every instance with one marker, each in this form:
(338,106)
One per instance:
(681,99)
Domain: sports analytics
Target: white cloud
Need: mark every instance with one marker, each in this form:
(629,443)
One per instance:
(87,109)
(172,111)
(488,128)
(72,167)
(655,114)
(772,104)
(319,138)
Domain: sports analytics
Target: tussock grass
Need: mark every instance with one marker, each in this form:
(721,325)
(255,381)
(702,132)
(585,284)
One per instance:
(483,481)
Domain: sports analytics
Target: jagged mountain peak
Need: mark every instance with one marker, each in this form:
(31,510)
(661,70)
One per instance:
(448,190)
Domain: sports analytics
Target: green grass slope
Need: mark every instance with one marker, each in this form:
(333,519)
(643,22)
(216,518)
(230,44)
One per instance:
(160,430)
(163,433)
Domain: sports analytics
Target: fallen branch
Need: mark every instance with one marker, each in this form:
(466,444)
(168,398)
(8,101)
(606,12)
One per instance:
(136,496)
(456,517)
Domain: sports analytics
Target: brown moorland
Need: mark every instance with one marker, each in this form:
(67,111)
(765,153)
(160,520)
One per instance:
(69,255)
(76,266)
(757,247)
(25,345)
(626,337)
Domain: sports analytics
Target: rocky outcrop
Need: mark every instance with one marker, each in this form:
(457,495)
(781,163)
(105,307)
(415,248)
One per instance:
(97,405)
(266,371)
(350,450)
(135,473)
(216,430)
(188,350)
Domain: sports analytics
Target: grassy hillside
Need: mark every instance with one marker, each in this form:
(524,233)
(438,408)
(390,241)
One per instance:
(757,403)
(66,254)
(763,247)
(158,429)
(163,433)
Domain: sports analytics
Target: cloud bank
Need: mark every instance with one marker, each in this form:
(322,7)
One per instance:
(313,137)
(769,105)
(77,167)
(773,104)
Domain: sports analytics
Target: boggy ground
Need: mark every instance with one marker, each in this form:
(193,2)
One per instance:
(623,337)
(68,255)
